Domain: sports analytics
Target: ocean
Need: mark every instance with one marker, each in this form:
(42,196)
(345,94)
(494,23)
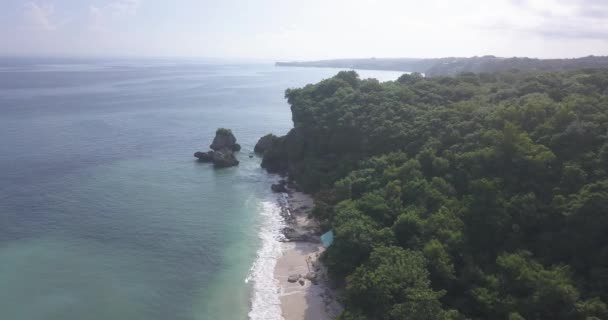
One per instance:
(104,212)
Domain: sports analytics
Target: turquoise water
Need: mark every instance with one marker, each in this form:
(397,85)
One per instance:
(104,214)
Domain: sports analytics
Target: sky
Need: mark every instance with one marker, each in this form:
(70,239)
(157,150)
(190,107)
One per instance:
(304,30)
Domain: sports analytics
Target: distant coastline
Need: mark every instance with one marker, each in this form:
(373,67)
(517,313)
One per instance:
(455,65)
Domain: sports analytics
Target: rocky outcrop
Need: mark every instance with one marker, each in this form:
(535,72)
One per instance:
(264,143)
(294,277)
(311,276)
(275,154)
(224,158)
(292,235)
(224,139)
(204,156)
(221,159)
(279,187)
(224,145)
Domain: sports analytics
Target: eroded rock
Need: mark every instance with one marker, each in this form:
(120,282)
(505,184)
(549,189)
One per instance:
(224,139)
(224,159)
(224,145)
(204,156)
(311,276)
(279,187)
(264,143)
(294,277)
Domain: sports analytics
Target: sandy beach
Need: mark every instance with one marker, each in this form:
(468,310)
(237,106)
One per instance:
(307,295)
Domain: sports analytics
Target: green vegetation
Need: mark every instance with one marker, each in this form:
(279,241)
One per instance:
(223,131)
(468,197)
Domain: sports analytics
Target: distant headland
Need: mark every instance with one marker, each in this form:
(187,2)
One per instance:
(454,65)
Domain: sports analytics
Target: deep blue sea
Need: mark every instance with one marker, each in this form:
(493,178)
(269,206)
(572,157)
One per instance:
(104,212)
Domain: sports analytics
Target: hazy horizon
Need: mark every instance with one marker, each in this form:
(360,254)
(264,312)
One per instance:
(279,30)
(249,59)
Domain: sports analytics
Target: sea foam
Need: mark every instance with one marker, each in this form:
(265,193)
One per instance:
(265,303)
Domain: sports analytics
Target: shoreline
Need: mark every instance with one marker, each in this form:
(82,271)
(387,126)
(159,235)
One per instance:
(304,290)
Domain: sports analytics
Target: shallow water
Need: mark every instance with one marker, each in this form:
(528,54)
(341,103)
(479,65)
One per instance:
(104,214)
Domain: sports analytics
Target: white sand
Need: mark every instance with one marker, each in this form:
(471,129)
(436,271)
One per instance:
(309,301)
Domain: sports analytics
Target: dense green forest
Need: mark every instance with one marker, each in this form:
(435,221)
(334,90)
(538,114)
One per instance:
(455,65)
(478,196)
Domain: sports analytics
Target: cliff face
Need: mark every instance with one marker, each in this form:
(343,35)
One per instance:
(264,143)
(275,158)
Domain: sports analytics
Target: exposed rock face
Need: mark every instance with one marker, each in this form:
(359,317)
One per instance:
(279,187)
(275,158)
(312,276)
(224,158)
(204,156)
(224,139)
(294,277)
(293,235)
(224,145)
(264,143)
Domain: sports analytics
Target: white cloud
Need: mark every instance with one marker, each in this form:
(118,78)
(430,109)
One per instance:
(286,30)
(574,19)
(101,17)
(39,16)
(123,8)
(96,18)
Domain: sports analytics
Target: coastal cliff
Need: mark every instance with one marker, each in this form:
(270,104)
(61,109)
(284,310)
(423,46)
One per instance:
(466,197)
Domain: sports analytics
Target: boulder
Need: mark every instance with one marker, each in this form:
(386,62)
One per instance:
(204,156)
(294,278)
(301,282)
(316,265)
(292,235)
(264,143)
(224,158)
(311,276)
(293,185)
(279,187)
(224,139)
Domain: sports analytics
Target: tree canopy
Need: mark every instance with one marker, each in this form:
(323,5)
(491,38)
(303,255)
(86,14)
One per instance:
(478,196)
